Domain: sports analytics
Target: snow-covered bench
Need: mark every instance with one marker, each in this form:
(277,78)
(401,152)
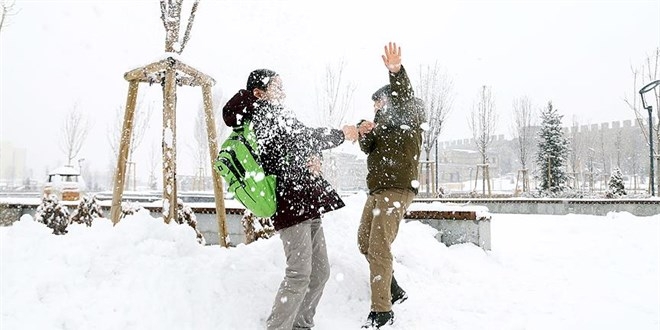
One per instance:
(455,223)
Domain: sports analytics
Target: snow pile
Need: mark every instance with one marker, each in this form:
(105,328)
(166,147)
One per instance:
(544,272)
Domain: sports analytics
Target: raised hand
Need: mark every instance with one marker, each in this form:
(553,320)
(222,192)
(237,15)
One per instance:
(392,57)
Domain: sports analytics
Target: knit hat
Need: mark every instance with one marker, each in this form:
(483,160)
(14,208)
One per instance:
(383,91)
(239,108)
(259,79)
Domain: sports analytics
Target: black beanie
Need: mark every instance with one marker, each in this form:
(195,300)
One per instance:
(259,79)
(383,91)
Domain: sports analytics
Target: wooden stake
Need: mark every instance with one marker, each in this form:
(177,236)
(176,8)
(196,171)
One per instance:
(487,176)
(169,146)
(124,145)
(213,150)
(142,73)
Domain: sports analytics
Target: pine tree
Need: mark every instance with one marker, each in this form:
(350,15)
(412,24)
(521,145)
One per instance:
(256,228)
(552,153)
(129,208)
(615,185)
(87,210)
(186,215)
(53,214)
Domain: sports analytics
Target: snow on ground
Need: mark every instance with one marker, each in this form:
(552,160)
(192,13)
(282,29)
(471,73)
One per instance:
(544,272)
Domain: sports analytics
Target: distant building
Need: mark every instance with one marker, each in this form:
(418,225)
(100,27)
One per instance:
(346,171)
(12,165)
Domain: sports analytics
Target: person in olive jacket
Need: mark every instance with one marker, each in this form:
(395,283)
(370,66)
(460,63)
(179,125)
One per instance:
(291,151)
(392,143)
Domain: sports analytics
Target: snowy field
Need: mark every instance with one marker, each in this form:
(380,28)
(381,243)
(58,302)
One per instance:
(544,272)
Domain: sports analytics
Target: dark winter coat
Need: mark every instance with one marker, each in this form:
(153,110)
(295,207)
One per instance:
(285,146)
(394,145)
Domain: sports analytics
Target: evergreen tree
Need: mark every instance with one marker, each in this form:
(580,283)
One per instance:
(552,153)
(88,210)
(53,214)
(256,228)
(615,185)
(186,215)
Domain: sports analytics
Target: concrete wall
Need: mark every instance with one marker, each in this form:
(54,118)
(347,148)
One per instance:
(638,207)
(450,231)
(207,222)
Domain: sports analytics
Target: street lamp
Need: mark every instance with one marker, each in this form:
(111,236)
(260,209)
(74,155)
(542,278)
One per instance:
(649,108)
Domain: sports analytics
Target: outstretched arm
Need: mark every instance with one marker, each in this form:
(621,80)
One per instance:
(402,96)
(399,82)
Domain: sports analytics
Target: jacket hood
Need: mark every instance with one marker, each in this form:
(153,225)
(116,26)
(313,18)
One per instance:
(239,108)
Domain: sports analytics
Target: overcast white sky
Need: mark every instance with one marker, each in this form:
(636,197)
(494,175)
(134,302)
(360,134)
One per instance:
(55,54)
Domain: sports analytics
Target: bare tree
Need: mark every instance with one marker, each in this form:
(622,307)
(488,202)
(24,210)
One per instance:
(482,122)
(140,126)
(200,150)
(334,97)
(170,14)
(7,10)
(74,131)
(523,121)
(154,161)
(604,145)
(200,158)
(435,89)
(641,76)
(576,152)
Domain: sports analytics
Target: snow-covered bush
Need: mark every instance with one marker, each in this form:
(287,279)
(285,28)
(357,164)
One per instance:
(568,193)
(53,214)
(129,208)
(615,185)
(256,228)
(88,210)
(184,214)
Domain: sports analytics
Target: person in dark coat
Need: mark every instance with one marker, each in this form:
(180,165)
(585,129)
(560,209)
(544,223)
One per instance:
(291,151)
(392,143)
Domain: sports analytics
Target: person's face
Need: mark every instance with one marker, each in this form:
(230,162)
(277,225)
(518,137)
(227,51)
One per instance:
(274,91)
(380,104)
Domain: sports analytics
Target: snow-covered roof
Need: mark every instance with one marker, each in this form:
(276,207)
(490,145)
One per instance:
(65,170)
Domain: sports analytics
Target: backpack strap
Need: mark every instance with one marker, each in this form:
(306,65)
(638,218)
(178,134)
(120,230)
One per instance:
(239,137)
(231,169)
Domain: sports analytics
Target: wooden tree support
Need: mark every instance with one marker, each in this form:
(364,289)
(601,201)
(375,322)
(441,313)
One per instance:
(522,178)
(169,73)
(485,178)
(427,171)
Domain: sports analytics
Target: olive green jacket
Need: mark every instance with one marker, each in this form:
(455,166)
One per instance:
(393,146)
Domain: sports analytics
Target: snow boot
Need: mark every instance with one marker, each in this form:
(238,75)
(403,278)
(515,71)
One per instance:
(375,320)
(398,294)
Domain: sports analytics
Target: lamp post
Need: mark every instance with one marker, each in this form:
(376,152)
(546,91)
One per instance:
(80,161)
(649,108)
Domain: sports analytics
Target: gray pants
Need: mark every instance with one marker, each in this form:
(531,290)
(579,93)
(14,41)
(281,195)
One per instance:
(307,270)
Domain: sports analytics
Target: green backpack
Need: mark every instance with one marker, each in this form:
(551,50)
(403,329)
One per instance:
(238,163)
